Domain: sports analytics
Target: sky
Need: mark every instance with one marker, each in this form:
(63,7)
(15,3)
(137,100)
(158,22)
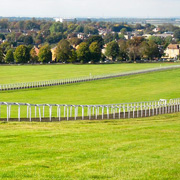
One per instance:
(90,8)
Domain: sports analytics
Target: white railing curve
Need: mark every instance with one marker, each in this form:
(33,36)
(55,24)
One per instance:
(57,112)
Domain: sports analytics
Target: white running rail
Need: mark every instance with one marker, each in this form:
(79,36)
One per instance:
(26,85)
(57,112)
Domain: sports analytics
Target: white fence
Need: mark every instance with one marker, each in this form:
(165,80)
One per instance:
(58,112)
(5,87)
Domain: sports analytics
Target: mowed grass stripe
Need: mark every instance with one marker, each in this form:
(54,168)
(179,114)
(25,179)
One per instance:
(30,73)
(145,148)
(136,88)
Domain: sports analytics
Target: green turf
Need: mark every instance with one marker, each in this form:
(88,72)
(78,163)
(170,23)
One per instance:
(135,88)
(29,73)
(133,149)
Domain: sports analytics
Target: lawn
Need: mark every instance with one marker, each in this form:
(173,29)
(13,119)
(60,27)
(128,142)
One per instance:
(135,88)
(30,73)
(135,149)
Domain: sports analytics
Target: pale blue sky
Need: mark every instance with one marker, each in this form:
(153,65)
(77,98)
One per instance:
(90,8)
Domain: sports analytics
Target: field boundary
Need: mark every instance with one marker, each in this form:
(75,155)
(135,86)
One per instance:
(38,84)
(59,112)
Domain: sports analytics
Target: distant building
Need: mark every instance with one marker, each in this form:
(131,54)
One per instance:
(104,31)
(146,36)
(156,30)
(82,36)
(164,35)
(53,51)
(64,20)
(172,51)
(36,50)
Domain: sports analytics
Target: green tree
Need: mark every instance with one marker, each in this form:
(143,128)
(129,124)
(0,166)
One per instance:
(1,55)
(28,40)
(95,51)
(108,38)
(123,54)
(5,46)
(79,28)
(73,57)
(9,58)
(63,51)
(134,48)
(74,41)
(54,38)
(149,50)
(2,36)
(112,50)
(144,49)
(153,51)
(45,54)
(123,31)
(83,53)
(177,33)
(96,38)
(158,40)
(56,27)
(39,39)
(21,54)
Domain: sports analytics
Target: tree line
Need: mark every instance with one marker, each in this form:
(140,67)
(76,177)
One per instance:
(99,41)
(92,50)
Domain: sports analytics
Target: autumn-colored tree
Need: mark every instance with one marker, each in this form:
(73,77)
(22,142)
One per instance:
(134,48)
(74,41)
(33,56)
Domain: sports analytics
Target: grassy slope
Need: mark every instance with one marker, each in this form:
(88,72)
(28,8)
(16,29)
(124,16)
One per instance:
(143,87)
(141,149)
(17,74)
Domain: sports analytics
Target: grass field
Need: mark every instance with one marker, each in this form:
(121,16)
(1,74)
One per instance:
(130,149)
(136,88)
(136,149)
(29,73)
